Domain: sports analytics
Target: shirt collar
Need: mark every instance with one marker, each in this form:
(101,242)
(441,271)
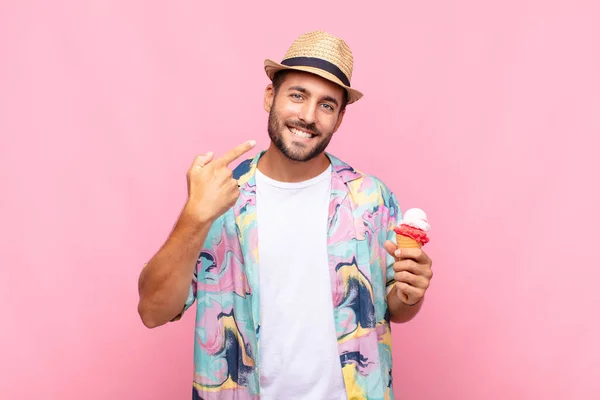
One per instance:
(246,171)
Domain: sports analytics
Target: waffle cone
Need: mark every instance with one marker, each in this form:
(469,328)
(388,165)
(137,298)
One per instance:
(404,242)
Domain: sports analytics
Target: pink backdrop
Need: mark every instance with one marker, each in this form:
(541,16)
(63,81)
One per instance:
(485,114)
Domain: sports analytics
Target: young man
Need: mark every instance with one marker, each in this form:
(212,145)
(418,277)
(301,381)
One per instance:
(305,312)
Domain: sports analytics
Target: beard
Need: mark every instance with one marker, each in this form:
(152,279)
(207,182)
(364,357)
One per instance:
(296,151)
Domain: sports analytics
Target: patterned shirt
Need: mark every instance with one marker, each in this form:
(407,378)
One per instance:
(225,287)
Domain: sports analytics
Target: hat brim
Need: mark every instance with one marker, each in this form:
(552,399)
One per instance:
(272,67)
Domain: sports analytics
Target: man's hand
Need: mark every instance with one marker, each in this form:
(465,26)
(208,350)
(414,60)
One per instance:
(412,272)
(211,187)
(165,280)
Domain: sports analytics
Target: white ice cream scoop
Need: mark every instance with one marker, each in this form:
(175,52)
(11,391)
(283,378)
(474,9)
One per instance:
(416,218)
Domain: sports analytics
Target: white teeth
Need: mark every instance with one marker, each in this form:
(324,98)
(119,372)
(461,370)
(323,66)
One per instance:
(300,133)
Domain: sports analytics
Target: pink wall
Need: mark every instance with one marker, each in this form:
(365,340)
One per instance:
(493,110)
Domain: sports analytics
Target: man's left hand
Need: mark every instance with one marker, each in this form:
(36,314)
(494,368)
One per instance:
(412,272)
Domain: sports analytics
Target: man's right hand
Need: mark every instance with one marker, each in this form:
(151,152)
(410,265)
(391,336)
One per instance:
(211,187)
(164,282)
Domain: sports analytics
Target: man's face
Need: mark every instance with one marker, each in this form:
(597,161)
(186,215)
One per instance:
(303,115)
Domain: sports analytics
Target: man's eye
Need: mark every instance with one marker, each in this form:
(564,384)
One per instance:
(296,96)
(328,106)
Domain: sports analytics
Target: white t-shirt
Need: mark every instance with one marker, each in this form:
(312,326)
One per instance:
(299,356)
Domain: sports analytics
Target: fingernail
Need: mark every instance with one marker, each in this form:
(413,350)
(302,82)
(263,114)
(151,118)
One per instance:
(397,253)
(252,143)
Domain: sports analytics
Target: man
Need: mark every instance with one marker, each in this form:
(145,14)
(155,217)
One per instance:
(304,313)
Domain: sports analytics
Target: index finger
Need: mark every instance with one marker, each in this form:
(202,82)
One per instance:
(413,253)
(236,152)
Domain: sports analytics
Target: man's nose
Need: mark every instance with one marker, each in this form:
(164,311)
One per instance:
(307,112)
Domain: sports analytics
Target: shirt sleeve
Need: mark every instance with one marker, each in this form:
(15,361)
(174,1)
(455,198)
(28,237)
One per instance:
(395,217)
(192,292)
(212,238)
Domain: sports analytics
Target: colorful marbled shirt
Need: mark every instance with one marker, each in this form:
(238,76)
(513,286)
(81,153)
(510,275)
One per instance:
(362,214)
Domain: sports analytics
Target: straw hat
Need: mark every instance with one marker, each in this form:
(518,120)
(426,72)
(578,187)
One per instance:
(322,54)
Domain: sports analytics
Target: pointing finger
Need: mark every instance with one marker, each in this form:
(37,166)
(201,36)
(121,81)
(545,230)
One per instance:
(236,152)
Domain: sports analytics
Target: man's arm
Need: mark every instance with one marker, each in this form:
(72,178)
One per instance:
(165,280)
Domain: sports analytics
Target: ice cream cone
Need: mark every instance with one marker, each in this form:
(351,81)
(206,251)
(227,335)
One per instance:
(412,233)
(405,242)
(413,230)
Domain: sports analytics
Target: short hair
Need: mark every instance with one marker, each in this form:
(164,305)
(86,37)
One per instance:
(280,76)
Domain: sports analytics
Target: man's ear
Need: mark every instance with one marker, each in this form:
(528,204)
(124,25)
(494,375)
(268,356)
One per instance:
(339,121)
(269,96)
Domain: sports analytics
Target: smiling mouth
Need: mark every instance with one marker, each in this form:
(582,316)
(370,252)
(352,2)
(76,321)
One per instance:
(301,133)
